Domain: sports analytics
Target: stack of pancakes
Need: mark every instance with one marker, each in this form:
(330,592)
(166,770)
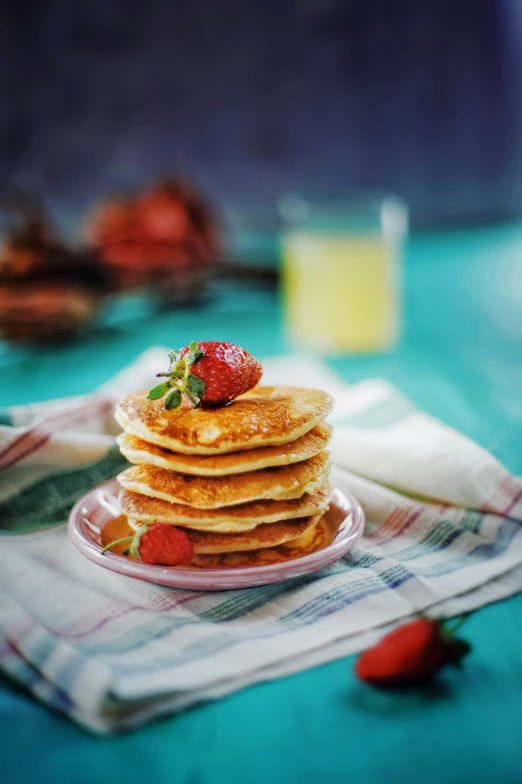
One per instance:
(242,478)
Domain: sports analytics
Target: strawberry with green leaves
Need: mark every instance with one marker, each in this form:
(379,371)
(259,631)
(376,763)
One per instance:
(157,543)
(412,653)
(210,373)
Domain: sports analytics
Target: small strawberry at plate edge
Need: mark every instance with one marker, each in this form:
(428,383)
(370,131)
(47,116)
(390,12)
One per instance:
(158,543)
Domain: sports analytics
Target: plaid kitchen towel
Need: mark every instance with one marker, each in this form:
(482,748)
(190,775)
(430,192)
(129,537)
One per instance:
(443,533)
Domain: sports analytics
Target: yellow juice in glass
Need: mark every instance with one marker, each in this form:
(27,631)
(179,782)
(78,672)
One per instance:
(341,291)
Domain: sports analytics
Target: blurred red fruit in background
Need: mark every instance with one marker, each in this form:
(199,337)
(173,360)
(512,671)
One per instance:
(165,236)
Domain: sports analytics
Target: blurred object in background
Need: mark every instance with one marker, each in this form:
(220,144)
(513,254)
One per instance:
(423,99)
(29,244)
(45,312)
(251,247)
(408,97)
(47,291)
(341,272)
(252,234)
(166,238)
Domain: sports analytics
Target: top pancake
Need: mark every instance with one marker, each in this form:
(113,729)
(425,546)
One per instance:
(142,453)
(265,416)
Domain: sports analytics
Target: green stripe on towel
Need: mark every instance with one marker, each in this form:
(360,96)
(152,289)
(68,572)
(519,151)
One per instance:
(49,500)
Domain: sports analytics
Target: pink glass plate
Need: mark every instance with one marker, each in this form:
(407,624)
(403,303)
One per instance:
(100,505)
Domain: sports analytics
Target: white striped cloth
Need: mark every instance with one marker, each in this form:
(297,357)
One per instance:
(443,535)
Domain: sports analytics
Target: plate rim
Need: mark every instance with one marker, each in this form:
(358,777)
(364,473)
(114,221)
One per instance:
(237,577)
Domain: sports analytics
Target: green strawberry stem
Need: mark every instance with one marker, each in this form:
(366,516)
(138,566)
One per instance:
(458,647)
(117,541)
(134,540)
(459,622)
(180,380)
(442,623)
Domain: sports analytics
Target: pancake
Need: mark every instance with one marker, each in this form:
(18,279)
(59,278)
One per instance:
(214,492)
(232,519)
(265,416)
(313,539)
(265,535)
(142,453)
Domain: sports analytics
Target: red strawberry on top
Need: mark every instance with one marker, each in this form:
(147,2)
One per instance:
(210,374)
(411,654)
(158,543)
(226,370)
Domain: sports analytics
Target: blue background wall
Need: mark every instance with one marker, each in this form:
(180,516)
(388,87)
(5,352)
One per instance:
(254,97)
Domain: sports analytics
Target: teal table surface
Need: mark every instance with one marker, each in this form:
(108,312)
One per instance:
(460,359)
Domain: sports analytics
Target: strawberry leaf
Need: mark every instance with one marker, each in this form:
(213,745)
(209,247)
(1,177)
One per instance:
(193,398)
(170,374)
(459,649)
(193,346)
(158,391)
(196,385)
(173,400)
(198,355)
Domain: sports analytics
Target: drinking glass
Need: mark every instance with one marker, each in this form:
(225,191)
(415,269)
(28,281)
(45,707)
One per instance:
(341,272)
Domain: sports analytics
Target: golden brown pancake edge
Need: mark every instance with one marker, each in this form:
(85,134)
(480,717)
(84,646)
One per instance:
(264,535)
(140,452)
(219,492)
(232,519)
(266,416)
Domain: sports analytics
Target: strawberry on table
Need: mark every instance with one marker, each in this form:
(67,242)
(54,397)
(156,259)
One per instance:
(158,543)
(411,654)
(210,373)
